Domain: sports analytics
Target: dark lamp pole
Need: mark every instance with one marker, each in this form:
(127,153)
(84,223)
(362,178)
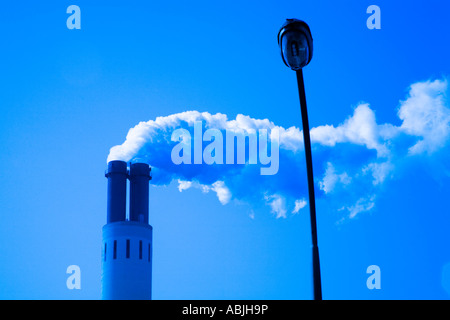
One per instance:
(295,41)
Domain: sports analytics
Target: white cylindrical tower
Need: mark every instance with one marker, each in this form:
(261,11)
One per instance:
(127,261)
(127,245)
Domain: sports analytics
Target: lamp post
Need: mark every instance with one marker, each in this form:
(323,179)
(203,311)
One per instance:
(295,41)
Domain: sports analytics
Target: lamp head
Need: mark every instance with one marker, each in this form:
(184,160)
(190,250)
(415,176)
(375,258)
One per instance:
(296,43)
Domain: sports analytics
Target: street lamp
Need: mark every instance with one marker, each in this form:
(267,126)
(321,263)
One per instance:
(296,44)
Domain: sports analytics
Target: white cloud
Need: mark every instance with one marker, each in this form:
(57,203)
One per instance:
(379,171)
(299,204)
(291,138)
(219,187)
(363,204)
(222,192)
(184,185)
(425,114)
(277,205)
(331,178)
(361,129)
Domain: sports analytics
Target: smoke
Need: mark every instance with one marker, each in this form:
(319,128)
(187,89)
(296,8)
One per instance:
(352,160)
(152,142)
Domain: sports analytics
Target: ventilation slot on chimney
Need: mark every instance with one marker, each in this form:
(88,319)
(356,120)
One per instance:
(128,249)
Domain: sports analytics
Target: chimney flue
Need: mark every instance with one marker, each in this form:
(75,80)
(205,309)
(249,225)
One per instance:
(139,181)
(117,191)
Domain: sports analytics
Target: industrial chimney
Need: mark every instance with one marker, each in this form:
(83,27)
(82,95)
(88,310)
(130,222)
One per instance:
(127,243)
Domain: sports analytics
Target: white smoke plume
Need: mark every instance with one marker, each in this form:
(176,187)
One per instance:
(351,160)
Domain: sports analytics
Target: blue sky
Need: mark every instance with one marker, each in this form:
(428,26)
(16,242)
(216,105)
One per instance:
(68,96)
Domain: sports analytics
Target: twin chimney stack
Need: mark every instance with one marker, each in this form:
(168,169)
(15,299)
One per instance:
(127,243)
(139,176)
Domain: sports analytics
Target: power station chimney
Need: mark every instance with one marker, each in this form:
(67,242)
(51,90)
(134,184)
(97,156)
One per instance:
(127,243)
